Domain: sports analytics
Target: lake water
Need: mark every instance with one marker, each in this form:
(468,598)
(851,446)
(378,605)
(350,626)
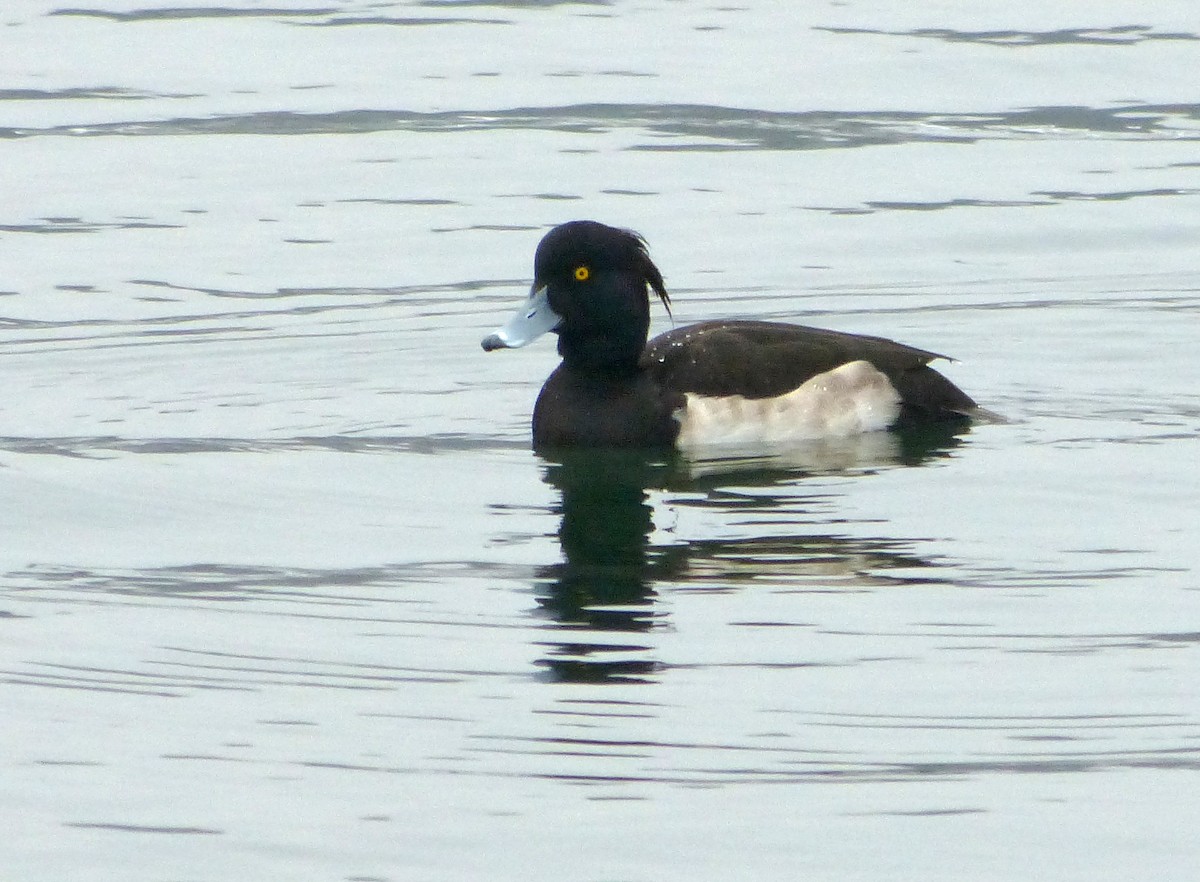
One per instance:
(286,595)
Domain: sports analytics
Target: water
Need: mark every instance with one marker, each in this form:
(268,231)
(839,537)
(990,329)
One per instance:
(286,595)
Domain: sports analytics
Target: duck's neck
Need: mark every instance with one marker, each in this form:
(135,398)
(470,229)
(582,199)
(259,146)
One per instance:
(610,351)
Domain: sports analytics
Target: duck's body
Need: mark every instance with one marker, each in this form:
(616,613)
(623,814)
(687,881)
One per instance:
(713,382)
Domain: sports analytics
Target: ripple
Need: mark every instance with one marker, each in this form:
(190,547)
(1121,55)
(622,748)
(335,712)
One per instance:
(1119,35)
(119,827)
(694,126)
(99,445)
(86,94)
(180,13)
(78,225)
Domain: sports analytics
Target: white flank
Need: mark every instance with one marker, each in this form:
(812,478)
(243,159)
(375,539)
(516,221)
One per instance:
(848,400)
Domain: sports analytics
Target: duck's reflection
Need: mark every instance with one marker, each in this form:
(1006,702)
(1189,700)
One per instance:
(605,581)
(601,596)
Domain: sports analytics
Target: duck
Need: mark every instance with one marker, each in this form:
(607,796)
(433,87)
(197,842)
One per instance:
(705,385)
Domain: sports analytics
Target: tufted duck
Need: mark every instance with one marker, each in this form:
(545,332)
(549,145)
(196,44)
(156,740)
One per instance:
(716,382)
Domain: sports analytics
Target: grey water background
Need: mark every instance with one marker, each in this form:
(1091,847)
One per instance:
(286,595)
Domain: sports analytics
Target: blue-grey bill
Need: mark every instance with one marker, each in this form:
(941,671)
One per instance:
(534,318)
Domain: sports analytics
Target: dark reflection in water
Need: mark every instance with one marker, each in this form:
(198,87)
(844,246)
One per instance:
(606,583)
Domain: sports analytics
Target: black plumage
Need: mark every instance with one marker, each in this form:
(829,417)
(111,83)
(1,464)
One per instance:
(613,388)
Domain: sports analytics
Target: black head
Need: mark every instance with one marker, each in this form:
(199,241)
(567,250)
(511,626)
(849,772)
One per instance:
(597,279)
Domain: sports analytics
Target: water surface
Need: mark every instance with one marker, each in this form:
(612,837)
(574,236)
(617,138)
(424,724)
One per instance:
(285,593)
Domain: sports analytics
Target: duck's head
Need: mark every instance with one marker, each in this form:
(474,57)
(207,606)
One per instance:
(591,285)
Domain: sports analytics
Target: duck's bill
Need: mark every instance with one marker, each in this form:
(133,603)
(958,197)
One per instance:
(534,318)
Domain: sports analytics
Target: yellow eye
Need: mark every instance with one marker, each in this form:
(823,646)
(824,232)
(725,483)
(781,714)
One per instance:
(582,273)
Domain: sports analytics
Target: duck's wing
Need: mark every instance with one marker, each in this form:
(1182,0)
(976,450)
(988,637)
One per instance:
(764,359)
